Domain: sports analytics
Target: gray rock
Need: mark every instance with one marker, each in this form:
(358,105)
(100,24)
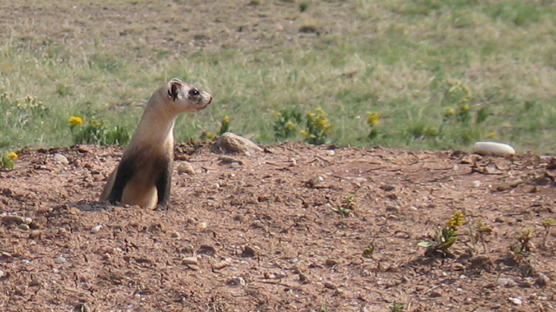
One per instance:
(230,143)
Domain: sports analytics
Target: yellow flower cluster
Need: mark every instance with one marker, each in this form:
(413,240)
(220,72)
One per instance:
(226,119)
(456,220)
(75,121)
(13,156)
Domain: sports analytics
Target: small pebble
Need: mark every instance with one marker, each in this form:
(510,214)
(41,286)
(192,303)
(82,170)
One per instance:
(186,167)
(220,265)
(330,285)
(61,159)
(190,260)
(515,301)
(96,228)
(238,281)
(331,262)
(543,280)
(60,259)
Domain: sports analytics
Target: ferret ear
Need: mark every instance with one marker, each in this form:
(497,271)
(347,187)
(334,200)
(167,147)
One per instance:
(174,88)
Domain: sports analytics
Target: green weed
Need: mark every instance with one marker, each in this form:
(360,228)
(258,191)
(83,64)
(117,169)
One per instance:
(286,123)
(444,237)
(7,161)
(396,307)
(96,133)
(346,208)
(224,125)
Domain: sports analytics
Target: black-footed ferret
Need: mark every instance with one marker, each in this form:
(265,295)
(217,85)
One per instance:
(144,174)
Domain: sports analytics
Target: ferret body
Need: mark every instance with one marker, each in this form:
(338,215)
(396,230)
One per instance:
(143,176)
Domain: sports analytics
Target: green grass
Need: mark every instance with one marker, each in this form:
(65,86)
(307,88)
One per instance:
(396,58)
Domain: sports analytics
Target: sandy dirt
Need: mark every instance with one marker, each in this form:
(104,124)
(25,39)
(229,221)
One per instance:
(261,233)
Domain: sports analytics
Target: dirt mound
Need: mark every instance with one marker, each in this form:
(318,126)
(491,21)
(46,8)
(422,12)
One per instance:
(283,230)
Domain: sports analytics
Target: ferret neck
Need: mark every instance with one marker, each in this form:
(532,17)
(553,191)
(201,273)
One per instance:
(156,127)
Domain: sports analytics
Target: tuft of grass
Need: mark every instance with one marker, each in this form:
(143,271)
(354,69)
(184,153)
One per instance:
(303,6)
(396,307)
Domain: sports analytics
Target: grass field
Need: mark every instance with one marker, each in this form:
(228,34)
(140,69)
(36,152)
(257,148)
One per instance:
(436,74)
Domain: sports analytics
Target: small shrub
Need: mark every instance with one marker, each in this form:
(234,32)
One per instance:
(318,127)
(286,123)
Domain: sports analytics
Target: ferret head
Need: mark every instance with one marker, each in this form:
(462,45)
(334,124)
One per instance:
(187,98)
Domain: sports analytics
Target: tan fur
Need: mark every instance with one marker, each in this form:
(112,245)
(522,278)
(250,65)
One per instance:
(151,149)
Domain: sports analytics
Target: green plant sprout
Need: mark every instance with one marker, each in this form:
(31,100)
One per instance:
(480,232)
(396,307)
(369,250)
(346,208)
(225,126)
(444,237)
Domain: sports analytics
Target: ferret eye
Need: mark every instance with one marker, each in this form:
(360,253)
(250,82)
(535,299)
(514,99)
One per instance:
(194,92)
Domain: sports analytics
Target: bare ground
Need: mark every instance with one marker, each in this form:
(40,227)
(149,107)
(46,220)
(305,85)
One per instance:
(260,233)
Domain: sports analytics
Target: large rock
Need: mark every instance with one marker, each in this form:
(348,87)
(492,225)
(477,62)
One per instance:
(230,143)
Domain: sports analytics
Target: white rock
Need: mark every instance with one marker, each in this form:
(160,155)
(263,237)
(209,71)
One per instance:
(493,149)
(96,228)
(515,301)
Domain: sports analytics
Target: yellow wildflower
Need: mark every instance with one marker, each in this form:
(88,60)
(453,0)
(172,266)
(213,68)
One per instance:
(226,119)
(465,107)
(372,119)
(491,135)
(75,121)
(13,156)
(449,112)
(456,220)
(290,125)
(304,133)
(209,135)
